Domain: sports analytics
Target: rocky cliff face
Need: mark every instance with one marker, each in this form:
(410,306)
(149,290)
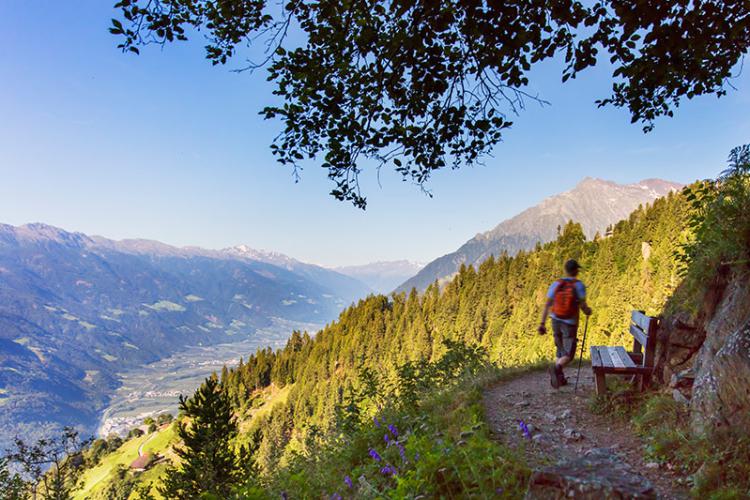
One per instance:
(706,356)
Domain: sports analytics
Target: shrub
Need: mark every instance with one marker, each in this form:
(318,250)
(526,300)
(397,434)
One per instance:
(428,438)
(719,226)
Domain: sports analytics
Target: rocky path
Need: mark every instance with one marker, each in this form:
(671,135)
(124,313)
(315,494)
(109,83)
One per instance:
(562,428)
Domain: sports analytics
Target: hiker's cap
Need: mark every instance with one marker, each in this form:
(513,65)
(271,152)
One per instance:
(572,266)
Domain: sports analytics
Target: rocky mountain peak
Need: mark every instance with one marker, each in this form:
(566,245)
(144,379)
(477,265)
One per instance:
(593,182)
(594,203)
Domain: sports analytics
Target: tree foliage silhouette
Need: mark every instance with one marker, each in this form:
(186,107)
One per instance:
(49,468)
(418,86)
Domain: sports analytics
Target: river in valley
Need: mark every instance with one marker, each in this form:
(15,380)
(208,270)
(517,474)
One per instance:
(156,387)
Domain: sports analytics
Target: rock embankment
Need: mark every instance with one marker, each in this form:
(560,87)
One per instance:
(706,356)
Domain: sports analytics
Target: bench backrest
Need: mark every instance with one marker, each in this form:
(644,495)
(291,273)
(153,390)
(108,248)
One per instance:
(643,329)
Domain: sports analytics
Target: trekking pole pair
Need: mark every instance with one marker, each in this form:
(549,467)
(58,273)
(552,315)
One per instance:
(580,359)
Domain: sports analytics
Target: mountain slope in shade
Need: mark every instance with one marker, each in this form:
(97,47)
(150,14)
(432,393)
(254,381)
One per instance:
(594,203)
(77,310)
(382,277)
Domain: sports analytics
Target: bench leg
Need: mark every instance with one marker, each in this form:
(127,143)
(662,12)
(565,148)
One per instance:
(601,383)
(643,381)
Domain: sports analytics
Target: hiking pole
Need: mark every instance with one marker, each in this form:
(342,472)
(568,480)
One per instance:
(580,360)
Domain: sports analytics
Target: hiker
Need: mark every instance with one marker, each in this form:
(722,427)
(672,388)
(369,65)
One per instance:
(565,298)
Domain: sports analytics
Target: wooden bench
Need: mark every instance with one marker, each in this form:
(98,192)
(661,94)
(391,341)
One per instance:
(639,362)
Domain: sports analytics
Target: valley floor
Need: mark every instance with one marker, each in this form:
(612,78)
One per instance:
(549,413)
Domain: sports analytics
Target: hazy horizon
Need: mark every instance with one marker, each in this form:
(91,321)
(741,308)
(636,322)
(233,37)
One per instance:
(333,266)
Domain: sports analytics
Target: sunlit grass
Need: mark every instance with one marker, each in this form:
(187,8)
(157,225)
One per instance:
(96,479)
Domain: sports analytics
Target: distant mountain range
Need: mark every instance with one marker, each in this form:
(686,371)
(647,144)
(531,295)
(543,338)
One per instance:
(594,203)
(75,310)
(382,277)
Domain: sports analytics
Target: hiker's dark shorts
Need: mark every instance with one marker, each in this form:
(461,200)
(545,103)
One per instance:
(565,338)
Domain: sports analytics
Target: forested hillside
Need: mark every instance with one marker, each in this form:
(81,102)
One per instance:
(496,306)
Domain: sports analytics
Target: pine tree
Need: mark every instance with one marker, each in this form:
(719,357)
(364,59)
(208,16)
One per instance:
(208,462)
(12,486)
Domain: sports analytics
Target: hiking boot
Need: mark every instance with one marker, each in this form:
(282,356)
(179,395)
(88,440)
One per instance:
(554,379)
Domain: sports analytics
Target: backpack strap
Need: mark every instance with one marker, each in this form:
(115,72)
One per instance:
(574,282)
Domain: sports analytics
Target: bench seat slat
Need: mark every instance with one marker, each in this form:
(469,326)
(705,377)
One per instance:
(632,370)
(606,359)
(626,361)
(616,361)
(612,358)
(596,359)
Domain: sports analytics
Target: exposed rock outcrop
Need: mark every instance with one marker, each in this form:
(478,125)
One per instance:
(680,338)
(721,394)
(706,356)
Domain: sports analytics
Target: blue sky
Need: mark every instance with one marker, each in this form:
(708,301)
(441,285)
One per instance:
(165,146)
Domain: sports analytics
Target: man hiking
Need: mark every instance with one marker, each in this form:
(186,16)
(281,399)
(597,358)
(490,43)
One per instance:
(565,298)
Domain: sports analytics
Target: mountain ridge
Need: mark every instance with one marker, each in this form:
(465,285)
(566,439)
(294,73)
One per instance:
(594,203)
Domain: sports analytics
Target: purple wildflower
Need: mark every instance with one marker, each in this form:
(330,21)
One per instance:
(401,451)
(387,440)
(376,422)
(393,430)
(416,457)
(524,428)
(284,495)
(374,454)
(335,496)
(388,470)
(348,481)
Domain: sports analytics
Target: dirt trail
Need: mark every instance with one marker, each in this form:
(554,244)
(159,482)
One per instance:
(562,426)
(140,448)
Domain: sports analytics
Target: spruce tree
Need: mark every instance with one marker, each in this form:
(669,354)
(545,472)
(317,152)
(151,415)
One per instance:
(12,486)
(208,464)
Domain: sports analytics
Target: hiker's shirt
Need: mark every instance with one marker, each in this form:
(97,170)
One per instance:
(580,290)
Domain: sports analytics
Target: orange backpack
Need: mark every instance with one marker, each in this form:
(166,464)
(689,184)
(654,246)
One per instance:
(565,300)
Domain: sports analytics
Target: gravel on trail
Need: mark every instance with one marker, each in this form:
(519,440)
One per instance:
(560,426)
